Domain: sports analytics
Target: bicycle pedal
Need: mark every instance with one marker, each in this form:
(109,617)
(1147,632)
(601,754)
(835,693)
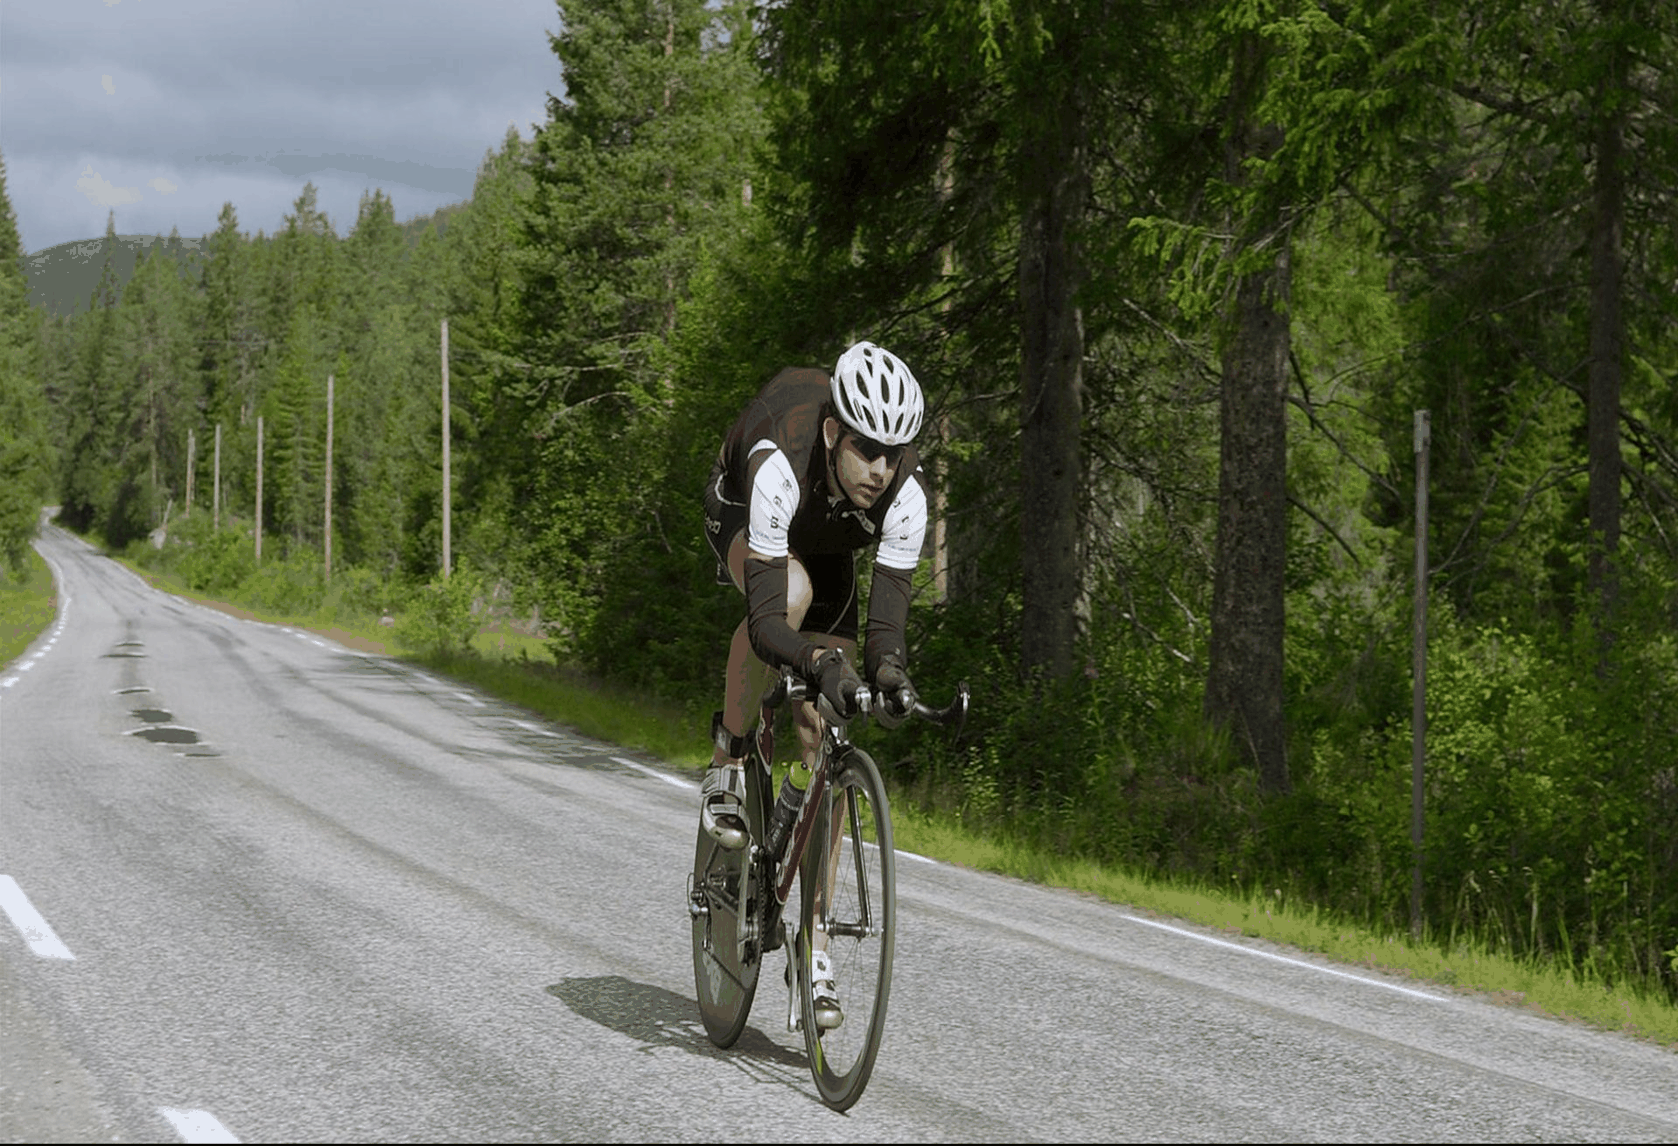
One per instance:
(795,1017)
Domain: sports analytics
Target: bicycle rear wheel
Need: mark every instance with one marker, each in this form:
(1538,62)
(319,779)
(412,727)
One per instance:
(725,898)
(856,919)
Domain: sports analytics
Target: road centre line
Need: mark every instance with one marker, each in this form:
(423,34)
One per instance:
(196,1125)
(665,776)
(1284,959)
(41,938)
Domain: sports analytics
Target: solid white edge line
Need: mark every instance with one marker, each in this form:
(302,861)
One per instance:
(665,776)
(41,938)
(196,1125)
(1285,959)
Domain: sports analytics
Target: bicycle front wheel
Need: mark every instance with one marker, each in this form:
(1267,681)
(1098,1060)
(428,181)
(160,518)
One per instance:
(851,912)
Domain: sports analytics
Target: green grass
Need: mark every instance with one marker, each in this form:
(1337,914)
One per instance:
(1472,967)
(520,669)
(27,606)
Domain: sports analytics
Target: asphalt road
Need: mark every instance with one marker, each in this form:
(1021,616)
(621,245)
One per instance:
(338,900)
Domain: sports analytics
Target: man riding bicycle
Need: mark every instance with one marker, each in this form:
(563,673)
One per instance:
(815,467)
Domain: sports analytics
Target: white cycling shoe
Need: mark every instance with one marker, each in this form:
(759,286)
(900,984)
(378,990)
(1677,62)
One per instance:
(722,804)
(823,992)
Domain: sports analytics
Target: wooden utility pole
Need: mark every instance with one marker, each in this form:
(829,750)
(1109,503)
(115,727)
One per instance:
(191,461)
(446,427)
(259,489)
(1418,674)
(329,479)
(215,499)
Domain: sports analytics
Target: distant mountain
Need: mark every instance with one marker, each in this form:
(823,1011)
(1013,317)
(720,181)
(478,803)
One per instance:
(63,278)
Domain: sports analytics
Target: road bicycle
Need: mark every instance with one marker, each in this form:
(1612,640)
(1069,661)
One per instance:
(841,853)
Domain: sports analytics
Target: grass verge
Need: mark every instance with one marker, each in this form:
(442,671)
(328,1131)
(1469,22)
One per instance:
(518,669)
(27,606)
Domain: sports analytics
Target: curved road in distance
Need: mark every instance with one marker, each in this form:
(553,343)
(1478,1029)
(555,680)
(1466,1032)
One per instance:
(337,899)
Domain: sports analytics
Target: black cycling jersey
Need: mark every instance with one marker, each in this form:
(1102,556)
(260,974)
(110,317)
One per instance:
(772,479)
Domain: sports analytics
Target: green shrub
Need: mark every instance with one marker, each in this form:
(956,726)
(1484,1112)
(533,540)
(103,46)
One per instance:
(443,615)
(208,560)
(291,586)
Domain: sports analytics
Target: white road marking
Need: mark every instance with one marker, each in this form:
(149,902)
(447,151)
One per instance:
(26,919)
(535,728)
(1284,959)
(196,1125)
(470,699)
(665,776)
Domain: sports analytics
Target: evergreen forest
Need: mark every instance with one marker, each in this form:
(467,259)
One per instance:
(1177,279)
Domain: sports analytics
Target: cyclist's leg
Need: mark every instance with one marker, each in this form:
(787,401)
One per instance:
(831,621)
(744,683)
(748,676)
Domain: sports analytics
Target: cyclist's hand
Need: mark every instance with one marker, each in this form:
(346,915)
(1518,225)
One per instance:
(896,693)
(838,681)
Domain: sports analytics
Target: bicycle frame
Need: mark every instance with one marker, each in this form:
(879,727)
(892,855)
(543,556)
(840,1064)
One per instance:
(847,905)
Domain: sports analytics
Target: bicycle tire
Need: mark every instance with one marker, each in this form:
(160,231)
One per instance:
(859,920)
(730,887)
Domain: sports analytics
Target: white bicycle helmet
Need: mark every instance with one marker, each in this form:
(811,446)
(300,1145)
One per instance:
(876,396)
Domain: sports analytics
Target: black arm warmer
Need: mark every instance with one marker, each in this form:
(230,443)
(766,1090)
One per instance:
(773,640)
(888,614)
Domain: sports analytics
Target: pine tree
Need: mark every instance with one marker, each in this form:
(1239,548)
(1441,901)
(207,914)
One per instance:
(25,455)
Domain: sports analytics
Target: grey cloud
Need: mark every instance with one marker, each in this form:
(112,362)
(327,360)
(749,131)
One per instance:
(447,180)
(245,101)
(443,180)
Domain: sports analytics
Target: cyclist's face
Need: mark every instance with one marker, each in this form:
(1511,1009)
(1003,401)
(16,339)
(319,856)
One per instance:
(865,469)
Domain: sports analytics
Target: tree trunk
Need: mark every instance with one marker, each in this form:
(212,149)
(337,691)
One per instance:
(1607,335)
(1051,386)
(1244,677)
(1244,683)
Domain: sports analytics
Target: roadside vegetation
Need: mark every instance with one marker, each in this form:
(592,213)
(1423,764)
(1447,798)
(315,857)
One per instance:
(28,603)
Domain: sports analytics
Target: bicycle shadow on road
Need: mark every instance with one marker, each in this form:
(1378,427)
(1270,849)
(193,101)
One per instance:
(658,1018)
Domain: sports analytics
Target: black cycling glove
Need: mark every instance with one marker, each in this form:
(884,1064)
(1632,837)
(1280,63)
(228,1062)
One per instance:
(895,690)
(837,680)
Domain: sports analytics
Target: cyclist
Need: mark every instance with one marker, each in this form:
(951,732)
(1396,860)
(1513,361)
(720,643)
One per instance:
(815,467)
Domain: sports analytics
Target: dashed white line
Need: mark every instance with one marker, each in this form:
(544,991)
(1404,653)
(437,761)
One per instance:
(41,938)
(1284,959)
(196,1125)
(470,699)
(525,724)
(665,776)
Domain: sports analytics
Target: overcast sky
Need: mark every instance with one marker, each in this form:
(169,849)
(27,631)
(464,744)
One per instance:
(163,110)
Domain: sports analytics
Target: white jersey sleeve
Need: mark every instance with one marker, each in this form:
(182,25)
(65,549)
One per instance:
(773,501)
(904,528)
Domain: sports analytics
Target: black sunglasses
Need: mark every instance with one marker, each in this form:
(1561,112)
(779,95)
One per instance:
(872,450)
